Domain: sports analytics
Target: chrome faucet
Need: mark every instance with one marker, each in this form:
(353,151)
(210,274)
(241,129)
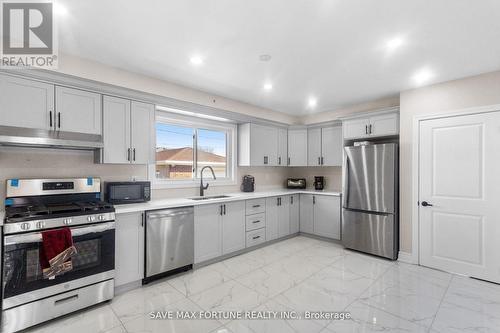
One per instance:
(203,188)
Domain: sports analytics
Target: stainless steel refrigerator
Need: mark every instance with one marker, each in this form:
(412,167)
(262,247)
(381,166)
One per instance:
(370,220)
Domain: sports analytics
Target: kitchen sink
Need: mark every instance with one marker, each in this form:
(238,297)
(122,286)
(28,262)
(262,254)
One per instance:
(210,197)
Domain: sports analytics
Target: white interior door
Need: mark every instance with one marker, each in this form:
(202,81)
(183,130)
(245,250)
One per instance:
(459,176)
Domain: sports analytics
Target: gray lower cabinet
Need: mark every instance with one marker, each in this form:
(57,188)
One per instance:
(207,232)
(233,227)
(218,229)
(277,217)
(327,216)
(306,213)
(127,131)
(320,215)
(129,248)
(294,213)
(271,218)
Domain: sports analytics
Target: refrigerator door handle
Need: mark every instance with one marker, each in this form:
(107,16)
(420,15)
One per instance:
(345,195)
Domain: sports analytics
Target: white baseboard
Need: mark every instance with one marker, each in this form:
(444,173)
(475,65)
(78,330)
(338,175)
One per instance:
(406,257)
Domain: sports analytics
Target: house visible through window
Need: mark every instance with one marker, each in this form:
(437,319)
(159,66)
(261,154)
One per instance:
(182,151)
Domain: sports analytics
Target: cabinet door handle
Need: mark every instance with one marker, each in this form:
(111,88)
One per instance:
(255,206)
(279,160)
(133,153)
(50,118)
(256,237)
(366,129)
(314,200)
(256,221)
(322,160)
(289,161)
(221,210)
(128,154)
(291,200)
(224,209)
(370,128)
(266,159)
(319,160)
(142,220)
(59,120)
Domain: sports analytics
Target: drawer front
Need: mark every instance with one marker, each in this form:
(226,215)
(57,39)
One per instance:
(256,221)
(255,237)
(255,206)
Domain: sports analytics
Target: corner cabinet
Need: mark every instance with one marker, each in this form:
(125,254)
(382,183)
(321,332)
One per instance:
(325,146)
(129,248)
(257,145)
(127,131)
(386,124)
(320,215)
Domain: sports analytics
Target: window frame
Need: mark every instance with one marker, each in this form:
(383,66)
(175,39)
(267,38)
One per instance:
(196,123)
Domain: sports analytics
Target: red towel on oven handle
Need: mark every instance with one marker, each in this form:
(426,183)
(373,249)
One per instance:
(53,243)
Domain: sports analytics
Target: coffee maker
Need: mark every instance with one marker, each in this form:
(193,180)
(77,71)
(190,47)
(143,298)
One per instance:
(319,183)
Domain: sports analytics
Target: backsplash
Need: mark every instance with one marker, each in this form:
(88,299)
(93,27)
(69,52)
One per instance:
(333,176)
(53,163)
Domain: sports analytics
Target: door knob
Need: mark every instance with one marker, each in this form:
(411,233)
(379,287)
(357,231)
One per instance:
(426,204)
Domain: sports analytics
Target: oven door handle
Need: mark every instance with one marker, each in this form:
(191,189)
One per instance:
(36,237)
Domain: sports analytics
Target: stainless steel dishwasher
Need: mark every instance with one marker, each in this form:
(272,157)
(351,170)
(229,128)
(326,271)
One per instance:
(169,242)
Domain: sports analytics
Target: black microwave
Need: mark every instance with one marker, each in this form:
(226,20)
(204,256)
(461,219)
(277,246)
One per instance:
(127,192)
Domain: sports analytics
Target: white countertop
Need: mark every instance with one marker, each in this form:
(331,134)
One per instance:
(183,202)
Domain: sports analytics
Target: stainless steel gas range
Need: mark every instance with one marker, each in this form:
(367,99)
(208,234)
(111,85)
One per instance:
(36,205)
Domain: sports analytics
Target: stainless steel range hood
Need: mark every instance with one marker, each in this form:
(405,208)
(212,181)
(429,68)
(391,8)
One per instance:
(28,137)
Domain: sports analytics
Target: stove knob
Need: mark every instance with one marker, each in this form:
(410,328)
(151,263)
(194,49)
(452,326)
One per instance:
(40,225)
(67,221)
(91,218)
(25,226)
(100,217)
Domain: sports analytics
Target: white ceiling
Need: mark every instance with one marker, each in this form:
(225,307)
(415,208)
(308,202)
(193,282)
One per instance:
(333,50)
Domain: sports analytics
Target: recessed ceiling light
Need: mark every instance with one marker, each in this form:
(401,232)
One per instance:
(196,60)
(422,76)
(268,86)
(312,102)
(395,43)
(60,9)
(265,57)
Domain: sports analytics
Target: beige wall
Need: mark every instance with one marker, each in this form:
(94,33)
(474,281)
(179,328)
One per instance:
(441,98)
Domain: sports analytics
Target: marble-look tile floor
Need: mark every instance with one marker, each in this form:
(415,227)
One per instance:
(301,274)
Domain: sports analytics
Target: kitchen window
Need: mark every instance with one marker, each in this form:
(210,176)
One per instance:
(184,145)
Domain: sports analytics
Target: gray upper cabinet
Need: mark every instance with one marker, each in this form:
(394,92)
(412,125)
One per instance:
(331,146)
(324,146)
(26,103)
(142,124)
(297,147)
(282,147)
(78,111)
(127,131)
(385,124)
(116,119)
(314,146)
(257,145)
